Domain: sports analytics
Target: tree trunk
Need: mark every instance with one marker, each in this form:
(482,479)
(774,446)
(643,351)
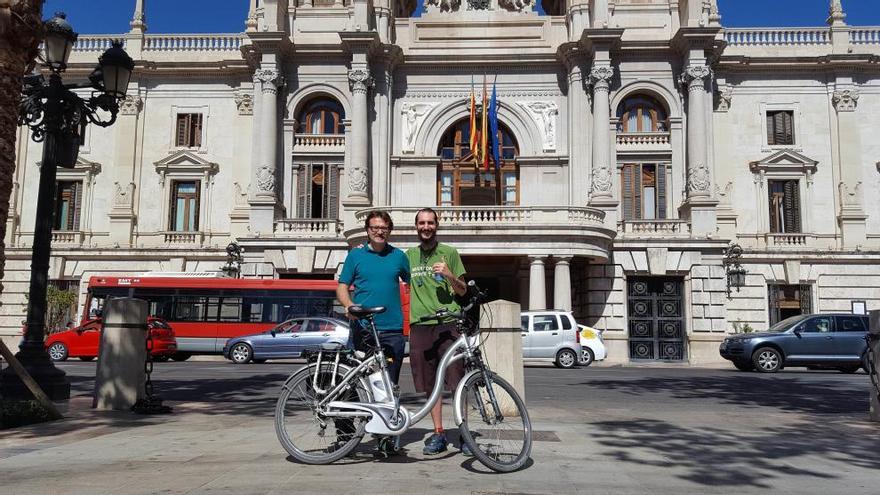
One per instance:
(20,34)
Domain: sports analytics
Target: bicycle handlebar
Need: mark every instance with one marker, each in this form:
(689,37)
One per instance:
(477,296)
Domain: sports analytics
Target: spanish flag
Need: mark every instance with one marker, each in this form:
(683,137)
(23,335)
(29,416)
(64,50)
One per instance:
(484,131)
(474,140)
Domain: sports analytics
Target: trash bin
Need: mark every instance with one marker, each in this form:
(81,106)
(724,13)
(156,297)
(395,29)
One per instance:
(120,376)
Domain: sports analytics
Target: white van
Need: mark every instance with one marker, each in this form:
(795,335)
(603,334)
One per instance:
(551,334)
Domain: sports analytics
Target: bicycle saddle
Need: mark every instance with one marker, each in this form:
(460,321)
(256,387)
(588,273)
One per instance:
(362,312)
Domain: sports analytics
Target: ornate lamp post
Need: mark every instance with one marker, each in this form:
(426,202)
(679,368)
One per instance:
(232,268)
(736,274)
(58,117)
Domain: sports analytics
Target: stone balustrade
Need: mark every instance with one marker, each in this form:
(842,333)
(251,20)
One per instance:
(183,238)
(192,42)
(318,142)
(308,227)
(788,240)
(95,42)
(865,35)
(777,36)
(512,217)
(67,238)
(636,140)
(652,228)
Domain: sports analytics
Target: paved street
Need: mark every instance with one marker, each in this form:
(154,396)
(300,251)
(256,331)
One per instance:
(614,430)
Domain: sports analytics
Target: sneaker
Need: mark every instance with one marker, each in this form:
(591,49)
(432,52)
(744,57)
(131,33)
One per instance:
(435,444)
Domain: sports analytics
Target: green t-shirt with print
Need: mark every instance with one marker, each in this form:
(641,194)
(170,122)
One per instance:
(426,294)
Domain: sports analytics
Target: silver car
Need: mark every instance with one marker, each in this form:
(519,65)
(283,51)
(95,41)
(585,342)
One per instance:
(550,334)
(286,340)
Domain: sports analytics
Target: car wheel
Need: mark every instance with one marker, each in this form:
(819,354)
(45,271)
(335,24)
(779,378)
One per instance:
(240,353)
(566,359)
(743,365)
(767,360)
(58,352)
(587,357)
(86,358)
(180,356)
(865,365)
(849,369)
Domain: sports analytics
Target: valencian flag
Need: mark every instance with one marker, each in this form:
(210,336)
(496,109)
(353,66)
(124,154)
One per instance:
(493,126)
(484,131)
(474,139)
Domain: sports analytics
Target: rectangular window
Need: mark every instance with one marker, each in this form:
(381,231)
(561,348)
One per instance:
(780,127)
(184,206)
(643,191)
(318,191)
(784,206)
(68,205)
(189,130)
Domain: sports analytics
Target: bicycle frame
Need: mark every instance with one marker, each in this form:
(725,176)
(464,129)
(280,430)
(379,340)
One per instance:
(390,418)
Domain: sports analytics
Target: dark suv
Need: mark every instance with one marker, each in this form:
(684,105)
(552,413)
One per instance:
(834,340)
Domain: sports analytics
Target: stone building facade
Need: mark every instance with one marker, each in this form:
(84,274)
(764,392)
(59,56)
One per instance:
(639,138)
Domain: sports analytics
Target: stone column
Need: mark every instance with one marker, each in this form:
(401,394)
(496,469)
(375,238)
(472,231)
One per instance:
(263,198)
(360,82)
(700,206)
(125,159)
(600,13)
(537,284)
(600,78)
(562,283)
(578,122)
(849,148)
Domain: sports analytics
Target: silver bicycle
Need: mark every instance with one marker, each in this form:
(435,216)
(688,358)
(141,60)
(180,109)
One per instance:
(327,406)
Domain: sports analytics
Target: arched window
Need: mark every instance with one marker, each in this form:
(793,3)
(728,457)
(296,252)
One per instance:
(461,181)
(642,113)
(321,116)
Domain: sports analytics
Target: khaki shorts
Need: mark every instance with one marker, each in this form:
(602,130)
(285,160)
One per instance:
(427,344)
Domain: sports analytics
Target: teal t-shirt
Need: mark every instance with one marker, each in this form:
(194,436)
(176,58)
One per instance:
(375,277)
(426,294)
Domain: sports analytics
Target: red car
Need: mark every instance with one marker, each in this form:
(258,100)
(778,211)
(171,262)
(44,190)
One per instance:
(83,341)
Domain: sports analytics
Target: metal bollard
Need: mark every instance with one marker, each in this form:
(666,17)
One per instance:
(120,377)
(872,364)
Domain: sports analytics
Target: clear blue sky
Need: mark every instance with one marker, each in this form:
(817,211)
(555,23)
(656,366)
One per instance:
(194,16)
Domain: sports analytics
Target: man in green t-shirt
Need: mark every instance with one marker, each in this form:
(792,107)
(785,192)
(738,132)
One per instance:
(436,277)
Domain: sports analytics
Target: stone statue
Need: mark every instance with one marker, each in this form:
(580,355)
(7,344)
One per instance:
(516,5)
(444,5)
(413,115)
(544,114)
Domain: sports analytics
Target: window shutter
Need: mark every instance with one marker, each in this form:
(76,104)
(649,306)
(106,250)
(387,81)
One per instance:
(770,127)
(791,204)
(196,130)
(181,129)
(172,212)
(331,188)
(661,191)
(76,205)
(303,191)
(627,193)
(788,127)
(774,224)
(197,206)
(637,191)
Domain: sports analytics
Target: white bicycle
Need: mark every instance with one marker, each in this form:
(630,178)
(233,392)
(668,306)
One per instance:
(326,407)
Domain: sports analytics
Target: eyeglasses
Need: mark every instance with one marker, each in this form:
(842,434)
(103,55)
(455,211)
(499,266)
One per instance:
(378,228)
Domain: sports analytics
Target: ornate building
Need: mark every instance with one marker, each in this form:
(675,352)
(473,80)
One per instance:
(638,139)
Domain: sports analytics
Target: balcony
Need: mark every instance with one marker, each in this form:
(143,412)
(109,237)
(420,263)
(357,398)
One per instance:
(67,238)
(790,240)
(312,228)
(304,144)
(654,228)
(183,239)
(643,141)
(509,230)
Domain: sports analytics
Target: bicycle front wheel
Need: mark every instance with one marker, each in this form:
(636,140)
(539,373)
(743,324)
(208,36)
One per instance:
(303,429)
(495,424)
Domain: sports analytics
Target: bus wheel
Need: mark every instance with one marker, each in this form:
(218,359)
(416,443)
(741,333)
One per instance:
(181,356)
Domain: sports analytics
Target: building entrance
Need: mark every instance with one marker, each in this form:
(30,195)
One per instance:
(786,301)
(656,319)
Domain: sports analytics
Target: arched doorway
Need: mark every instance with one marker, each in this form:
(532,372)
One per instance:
(463,182)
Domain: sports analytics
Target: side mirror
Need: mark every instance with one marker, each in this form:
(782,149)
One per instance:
(797,331)
(272,332)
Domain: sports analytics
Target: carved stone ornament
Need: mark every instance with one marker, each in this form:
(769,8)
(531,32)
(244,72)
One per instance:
(413,117)
(357,180)
(360,80)
(244,102)
(601,180)
(601,76)
(124,195)
(516,5)
(698,179)
(725,95)
(695,75)
(443,5)
(131,105)
(544,114)
(479,4)
(270,78)
(850,198)
(266,179)
(845,100)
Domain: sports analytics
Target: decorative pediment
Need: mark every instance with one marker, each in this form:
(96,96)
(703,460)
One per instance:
(785,161)
(83,169)
(184,163)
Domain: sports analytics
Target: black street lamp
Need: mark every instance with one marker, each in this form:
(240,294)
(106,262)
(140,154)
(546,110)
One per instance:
(232,268)
(58,117)
(733,270)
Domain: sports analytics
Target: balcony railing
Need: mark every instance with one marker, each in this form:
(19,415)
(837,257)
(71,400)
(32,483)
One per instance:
(643,140)
(183,238)
(503,216)
(192,42)
(319,142)
(777,36)
(309,227)
(865,35)
(652,228)
(788,240)
(67,238)
(95,42)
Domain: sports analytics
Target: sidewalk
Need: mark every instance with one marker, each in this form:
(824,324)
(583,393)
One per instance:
(231,448)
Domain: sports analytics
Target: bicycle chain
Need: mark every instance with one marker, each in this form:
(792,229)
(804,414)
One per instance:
(150,404)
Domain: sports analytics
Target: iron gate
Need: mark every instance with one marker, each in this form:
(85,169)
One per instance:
(656,319)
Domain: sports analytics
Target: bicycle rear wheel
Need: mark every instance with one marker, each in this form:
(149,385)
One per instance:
(303,430)
(495,424)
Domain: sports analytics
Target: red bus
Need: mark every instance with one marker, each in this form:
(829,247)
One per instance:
(206,310)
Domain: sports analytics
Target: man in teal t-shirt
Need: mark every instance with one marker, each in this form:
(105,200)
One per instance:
(436,278)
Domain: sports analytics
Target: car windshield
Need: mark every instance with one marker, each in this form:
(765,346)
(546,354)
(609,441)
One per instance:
(787,323)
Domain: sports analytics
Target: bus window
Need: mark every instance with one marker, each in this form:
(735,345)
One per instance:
(230,309)
(189,308)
